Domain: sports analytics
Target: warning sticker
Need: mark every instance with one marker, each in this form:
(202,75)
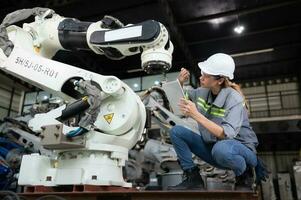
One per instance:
(109,117)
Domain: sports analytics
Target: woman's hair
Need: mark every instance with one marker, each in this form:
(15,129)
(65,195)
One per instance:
(228,83)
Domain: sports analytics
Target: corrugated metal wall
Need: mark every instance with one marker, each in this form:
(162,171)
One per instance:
(11,95)
(276,97)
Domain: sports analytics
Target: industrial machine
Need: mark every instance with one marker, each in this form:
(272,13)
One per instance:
(297,176)
(101,118)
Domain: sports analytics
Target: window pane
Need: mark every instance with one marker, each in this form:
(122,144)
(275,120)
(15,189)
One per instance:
(133,83)
(26,109)
(149,81)
(3,113)
(30,98)
(42,96)
(13,114)
(172,76)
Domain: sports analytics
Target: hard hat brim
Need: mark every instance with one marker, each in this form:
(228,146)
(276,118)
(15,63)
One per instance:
(205,67)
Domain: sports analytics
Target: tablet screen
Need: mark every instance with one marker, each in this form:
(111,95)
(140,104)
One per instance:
(174,93)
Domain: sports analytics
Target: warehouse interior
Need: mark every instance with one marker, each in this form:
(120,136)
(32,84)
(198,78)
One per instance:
(264,39)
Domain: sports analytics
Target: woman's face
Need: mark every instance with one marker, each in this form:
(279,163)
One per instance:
(209,81)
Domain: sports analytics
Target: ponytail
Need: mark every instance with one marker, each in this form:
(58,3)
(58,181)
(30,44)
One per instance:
(228,83)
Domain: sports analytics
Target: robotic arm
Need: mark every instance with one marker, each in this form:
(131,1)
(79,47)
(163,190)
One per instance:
(114,115)
(51,32)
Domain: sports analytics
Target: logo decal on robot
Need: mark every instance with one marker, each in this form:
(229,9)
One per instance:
(109,117)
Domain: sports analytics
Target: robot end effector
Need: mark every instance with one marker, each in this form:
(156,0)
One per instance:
(150,38)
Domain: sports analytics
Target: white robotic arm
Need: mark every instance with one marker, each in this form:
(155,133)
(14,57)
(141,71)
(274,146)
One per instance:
(51,32)
(115,116)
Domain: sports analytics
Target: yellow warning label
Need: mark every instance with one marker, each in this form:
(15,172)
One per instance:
(109,117)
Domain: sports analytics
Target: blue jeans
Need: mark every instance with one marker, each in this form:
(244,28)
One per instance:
(225,154)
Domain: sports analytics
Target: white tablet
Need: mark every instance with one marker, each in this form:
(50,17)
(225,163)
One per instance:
(174,93)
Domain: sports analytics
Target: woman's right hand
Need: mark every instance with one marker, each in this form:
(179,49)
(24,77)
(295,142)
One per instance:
(183,76)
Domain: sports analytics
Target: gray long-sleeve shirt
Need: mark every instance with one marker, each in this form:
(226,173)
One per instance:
(228,111)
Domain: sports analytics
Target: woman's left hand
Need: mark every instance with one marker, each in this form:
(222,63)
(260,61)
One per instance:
(188,108)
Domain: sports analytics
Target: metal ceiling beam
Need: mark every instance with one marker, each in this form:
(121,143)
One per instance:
(279,52)
(56,3)
(245,34)
(178,36)
(249,42)
(243,11)
(262,71)
(267,63)
(116,10)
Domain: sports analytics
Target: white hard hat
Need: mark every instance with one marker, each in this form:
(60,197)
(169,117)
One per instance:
(218,64)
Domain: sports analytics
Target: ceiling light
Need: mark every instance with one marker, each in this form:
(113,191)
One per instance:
(239,29)
(136,85)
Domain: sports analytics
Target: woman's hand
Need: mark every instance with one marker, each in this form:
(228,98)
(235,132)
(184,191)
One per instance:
(183,76)
(188,108)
